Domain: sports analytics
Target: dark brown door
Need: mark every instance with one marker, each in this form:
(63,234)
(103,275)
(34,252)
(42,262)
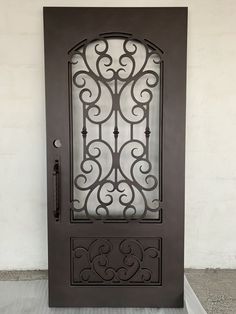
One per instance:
(115,105)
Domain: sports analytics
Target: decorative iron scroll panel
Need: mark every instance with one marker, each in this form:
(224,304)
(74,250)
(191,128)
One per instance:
(116,261)
(116,117)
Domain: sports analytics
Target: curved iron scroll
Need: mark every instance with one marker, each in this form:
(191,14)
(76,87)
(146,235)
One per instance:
(116,261)
(114,85)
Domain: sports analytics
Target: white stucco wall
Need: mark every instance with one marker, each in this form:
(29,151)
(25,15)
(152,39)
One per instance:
(211,130)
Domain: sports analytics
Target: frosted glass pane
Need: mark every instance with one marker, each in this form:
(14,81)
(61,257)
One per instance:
(115,113)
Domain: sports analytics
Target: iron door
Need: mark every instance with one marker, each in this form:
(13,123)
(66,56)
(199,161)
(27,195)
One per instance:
(115,119)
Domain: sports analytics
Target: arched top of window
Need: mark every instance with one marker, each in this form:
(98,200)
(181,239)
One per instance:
(116,35)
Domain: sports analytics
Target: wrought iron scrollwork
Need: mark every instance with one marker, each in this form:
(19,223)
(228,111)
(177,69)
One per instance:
(100,85)
(116,261)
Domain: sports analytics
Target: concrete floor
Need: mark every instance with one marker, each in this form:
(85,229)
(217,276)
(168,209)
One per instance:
(216,289)
(31,296)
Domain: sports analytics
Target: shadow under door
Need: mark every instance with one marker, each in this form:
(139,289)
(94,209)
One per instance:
(115,107)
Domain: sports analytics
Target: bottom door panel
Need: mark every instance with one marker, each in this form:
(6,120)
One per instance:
(116,261)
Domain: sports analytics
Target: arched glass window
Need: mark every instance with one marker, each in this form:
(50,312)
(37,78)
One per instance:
(116,105)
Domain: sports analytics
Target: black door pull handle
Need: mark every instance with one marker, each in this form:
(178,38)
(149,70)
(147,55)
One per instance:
(56,190)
